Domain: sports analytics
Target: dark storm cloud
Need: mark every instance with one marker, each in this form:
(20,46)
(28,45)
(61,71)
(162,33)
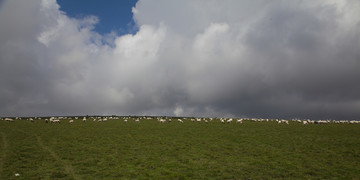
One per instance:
(282,59)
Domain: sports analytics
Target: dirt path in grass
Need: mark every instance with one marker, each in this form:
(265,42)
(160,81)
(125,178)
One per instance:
(68,168)
(3,152)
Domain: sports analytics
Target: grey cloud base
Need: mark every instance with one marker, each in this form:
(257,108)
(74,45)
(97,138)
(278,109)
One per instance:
(278,59)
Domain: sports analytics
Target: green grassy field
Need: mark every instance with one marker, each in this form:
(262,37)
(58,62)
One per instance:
(189,150)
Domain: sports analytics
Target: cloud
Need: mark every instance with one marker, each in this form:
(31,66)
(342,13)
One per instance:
(190,58)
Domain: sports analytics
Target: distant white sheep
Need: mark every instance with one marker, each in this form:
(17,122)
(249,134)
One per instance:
(56,121)
(322,122)
(9,120)
(283,121)
(181,120)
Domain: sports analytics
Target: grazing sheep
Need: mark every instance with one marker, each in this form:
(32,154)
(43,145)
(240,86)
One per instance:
(56,121)
(283,121)
(9,120)
(322,122)
(125,120)
(137,120)
(71,121)
(51,119)
(354,122)
(239,121)
(180,120)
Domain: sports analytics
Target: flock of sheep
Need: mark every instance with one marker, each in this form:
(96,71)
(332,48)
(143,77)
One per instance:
(240,120)
(71,120)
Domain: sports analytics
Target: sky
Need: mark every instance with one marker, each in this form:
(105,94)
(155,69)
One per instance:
(231,58)
(113,15)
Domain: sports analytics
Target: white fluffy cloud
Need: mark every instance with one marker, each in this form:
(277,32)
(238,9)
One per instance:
(189,58)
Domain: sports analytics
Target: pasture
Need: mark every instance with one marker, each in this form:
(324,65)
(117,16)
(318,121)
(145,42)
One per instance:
(172,150)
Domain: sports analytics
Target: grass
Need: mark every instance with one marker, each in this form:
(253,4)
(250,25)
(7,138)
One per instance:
(189,150)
